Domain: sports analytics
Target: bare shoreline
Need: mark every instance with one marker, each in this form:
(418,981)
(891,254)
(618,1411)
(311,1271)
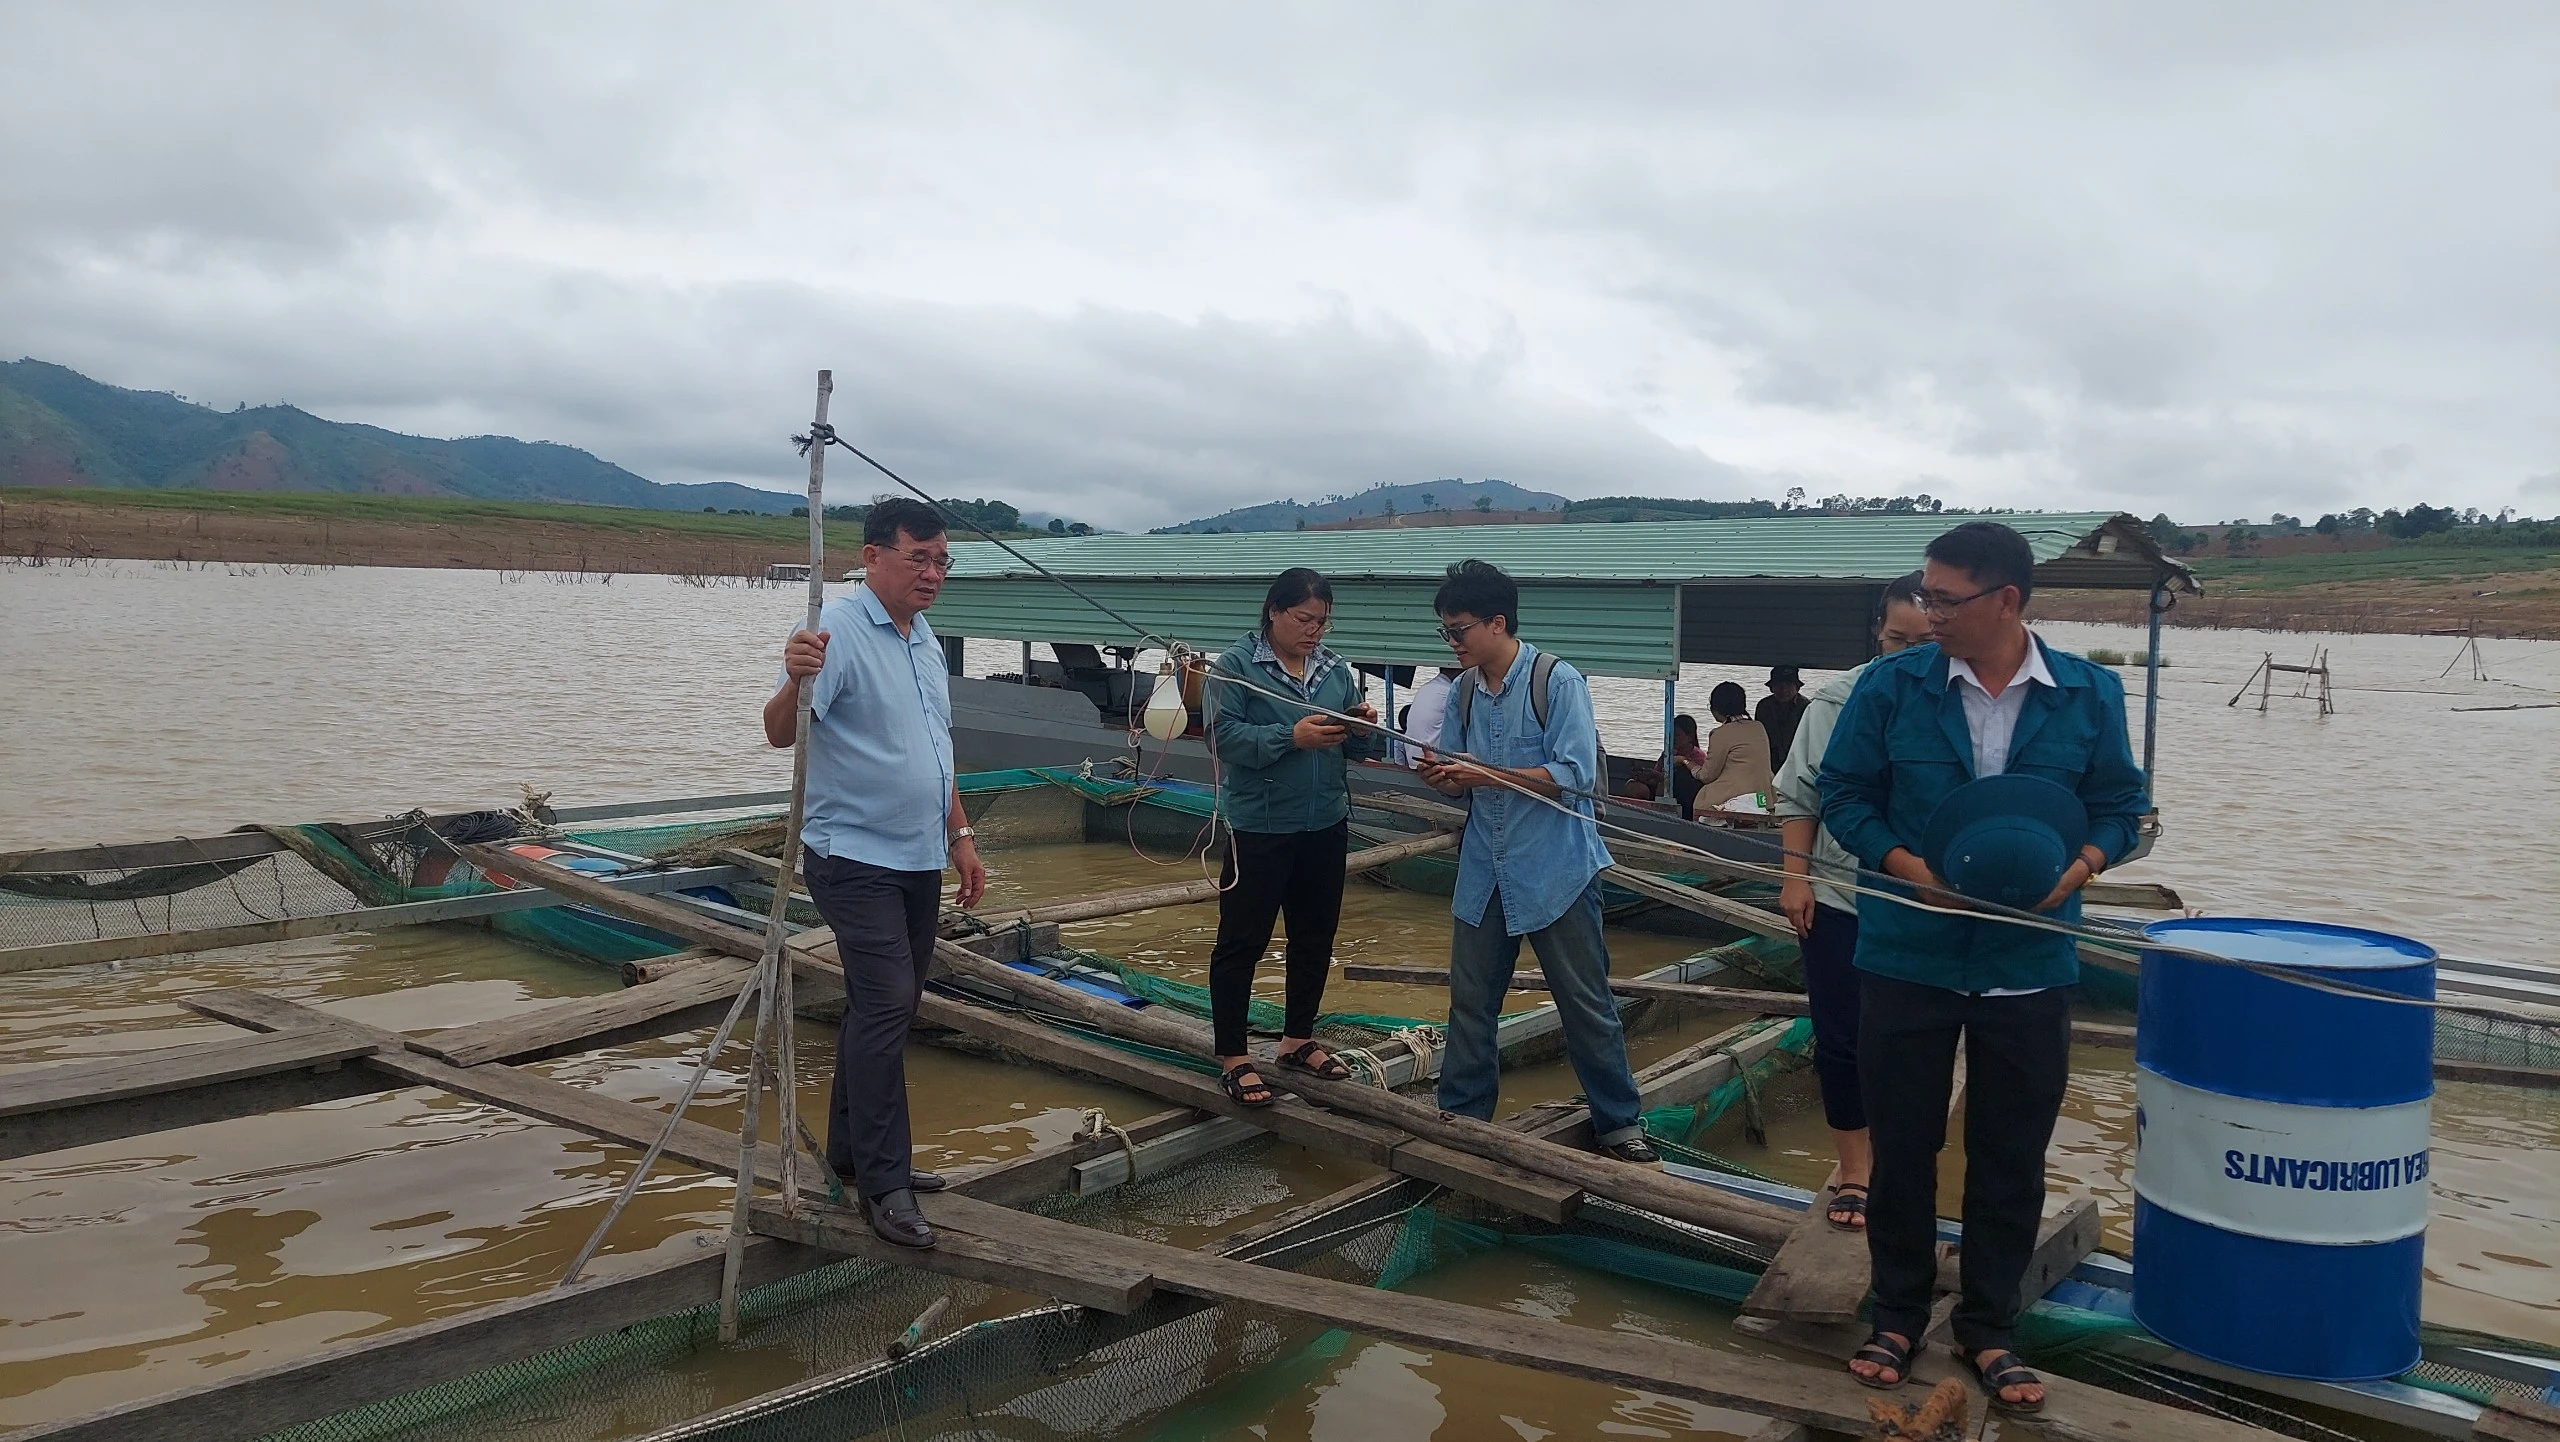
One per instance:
(2524,606)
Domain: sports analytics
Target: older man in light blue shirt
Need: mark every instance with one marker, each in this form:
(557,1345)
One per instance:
(1529,863)
(880,815)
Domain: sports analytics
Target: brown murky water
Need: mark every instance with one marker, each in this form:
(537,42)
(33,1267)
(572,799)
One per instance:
(138,702)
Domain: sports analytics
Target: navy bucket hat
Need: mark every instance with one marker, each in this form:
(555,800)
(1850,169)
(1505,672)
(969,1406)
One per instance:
(2005,839)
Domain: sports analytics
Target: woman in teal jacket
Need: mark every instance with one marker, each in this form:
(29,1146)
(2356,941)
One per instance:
(1281,778)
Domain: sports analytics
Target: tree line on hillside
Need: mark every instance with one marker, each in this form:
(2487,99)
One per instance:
(2469,526)
(1002,518)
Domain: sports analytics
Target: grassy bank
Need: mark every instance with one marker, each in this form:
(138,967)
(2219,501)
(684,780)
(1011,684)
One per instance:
(2413,562)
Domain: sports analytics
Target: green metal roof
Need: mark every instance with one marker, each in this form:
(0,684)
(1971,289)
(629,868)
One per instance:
(1833,547)
(1634,599)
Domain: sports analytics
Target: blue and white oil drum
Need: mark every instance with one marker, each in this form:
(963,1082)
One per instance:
(2280,1193)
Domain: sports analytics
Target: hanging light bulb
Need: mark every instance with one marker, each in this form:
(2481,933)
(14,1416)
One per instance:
(1167,717)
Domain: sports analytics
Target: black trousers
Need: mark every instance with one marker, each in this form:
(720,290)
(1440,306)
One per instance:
(1270,874)
(885,922)
(2017,1062)
(1832,984)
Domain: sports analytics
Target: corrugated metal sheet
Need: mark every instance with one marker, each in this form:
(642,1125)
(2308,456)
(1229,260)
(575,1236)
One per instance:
(1613,630)
(1617,600)
(1876,548)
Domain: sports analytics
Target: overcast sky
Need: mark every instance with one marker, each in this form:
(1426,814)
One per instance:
(1140,263)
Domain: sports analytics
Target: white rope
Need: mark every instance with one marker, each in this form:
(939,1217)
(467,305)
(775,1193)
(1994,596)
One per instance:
(1980,911)
(1097,1124)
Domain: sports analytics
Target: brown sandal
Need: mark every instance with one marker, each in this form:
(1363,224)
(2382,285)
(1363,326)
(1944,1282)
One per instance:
(1329,1069)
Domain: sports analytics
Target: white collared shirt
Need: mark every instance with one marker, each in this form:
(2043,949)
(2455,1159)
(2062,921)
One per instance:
(1993,719)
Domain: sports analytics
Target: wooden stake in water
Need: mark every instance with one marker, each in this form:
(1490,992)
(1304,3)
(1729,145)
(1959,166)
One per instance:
(775,1017)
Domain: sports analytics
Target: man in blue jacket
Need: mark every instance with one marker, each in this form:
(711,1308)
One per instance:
(1988,698)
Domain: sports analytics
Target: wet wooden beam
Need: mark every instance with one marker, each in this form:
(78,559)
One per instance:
(254,1404)
(1634,1186)
(688,997)
(1763,1003)
(1739,915)
(997,1257)
(1784,1391)
(1288,1118)
(297,928)
(76,1104)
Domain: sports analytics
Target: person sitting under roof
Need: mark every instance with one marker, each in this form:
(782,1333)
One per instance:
(1735,770)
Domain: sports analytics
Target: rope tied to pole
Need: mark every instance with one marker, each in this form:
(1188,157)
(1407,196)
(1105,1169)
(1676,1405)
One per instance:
(1097,1124)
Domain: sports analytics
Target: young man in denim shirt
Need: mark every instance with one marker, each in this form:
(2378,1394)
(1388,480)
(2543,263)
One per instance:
(1525,868)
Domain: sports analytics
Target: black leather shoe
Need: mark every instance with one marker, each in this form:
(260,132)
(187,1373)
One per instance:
(898,1221)
(1634,1150)
(925,1182)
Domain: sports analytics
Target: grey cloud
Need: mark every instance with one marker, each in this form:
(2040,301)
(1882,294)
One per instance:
(2187,257)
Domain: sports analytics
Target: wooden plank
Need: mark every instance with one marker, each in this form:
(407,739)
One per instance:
(676,921)
(1634,1186)
(1819,1275)
(297,928)
(1002,1259)
(687,997)
(272,1398)
(1148,898)
(1514,1188)
(692,997)
(2139,895)
(78,1104)
(1289,1118)
(1764,1003)
(2512,1418)
(1819,1397)
(72,1084)
(2063,1242)
(1689,898)
(1822,1273)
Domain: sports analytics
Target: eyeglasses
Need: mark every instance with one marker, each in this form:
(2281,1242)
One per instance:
(1939,605)
(926,560)
(1455,634)
(1317,624)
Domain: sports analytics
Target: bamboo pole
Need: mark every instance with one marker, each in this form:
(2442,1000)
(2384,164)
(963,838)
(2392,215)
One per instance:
(778,1013)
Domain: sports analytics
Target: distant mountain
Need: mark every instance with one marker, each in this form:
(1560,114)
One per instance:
(1377,501)
(60,428)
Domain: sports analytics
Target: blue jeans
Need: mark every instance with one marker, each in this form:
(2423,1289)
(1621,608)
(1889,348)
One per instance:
(1575,958)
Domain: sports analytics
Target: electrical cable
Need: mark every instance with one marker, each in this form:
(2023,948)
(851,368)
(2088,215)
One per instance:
(1974,910)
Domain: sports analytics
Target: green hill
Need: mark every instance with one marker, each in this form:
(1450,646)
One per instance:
(60,428)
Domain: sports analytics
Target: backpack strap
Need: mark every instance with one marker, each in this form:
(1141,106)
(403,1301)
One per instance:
(1541,667)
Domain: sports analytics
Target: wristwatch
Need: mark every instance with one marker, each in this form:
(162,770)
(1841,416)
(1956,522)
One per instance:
(956,837)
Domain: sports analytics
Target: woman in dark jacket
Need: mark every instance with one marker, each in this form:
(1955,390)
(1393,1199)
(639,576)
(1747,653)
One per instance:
(1288,809)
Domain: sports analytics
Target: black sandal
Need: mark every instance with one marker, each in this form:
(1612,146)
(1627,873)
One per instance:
(1254,1093)
(2006,1369)
(1882,1349)
(1332,1068)
(1842,1204)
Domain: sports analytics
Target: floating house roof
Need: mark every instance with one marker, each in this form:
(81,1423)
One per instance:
(1632,599)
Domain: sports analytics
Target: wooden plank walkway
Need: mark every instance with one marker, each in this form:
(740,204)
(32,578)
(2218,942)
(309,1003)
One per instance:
(1819,1397)
(296,928)
(1758,1002)
(1634,1186)
(75,1104)
(1289,1118)
(687,997)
